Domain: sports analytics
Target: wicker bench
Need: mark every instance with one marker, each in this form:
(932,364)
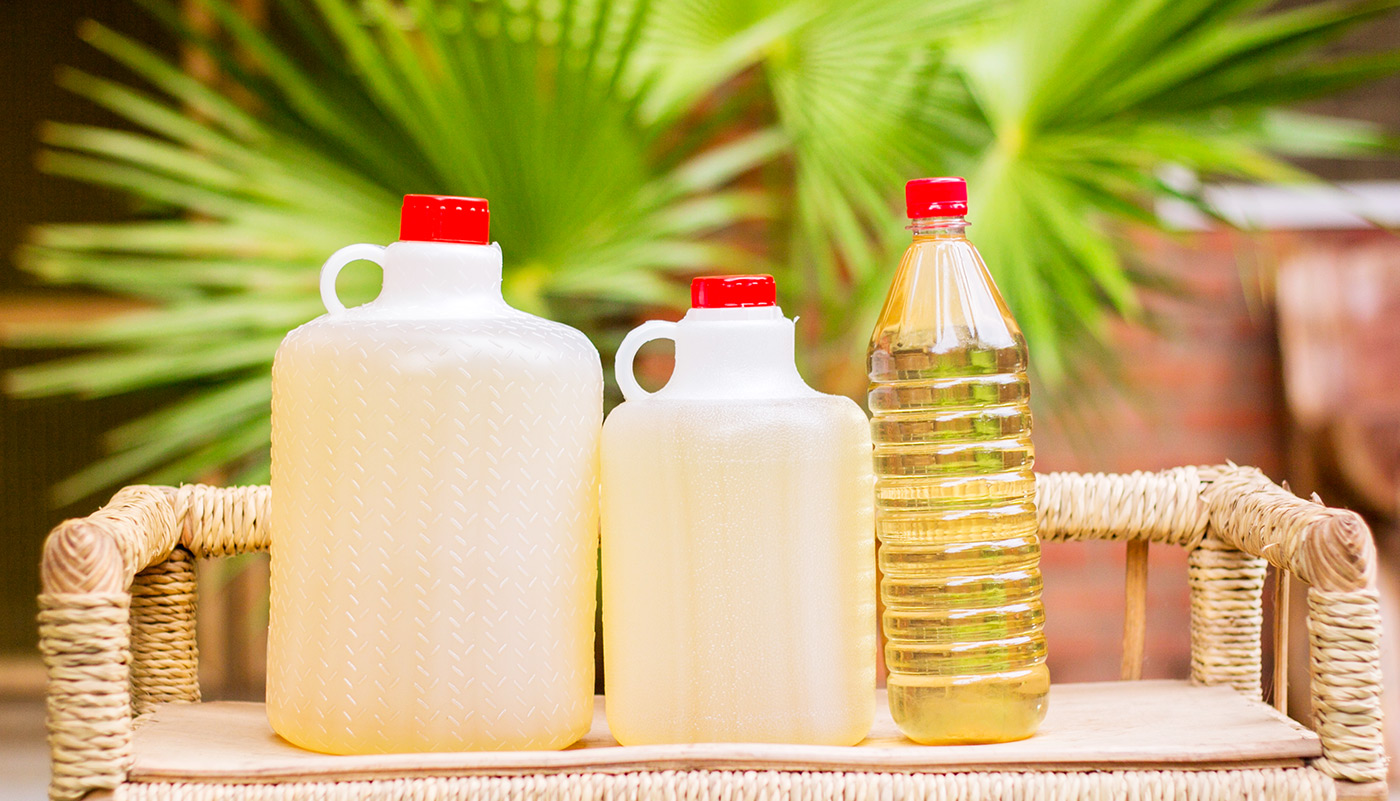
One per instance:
(117,635)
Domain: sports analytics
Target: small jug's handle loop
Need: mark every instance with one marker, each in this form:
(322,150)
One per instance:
(337,262)
(627,351)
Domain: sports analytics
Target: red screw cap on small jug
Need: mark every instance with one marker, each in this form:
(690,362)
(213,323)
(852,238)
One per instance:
(439,218)
(732,291)
(935,197)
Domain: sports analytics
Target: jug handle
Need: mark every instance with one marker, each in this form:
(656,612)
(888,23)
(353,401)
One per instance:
(337,262)
(627,351)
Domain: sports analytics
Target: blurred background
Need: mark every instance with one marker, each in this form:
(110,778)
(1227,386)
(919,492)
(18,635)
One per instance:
(1186,203)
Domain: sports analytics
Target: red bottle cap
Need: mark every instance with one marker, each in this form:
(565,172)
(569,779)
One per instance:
(439,218)
(935,197)
(732,291)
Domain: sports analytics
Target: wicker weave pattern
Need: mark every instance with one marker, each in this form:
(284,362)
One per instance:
(85,633)
(83,641)
(1330,549)
(1163,507)
(1343,631)
(1227,617)
(164,659)
(215,521)
(1149,785)
(104,661)
(104,551)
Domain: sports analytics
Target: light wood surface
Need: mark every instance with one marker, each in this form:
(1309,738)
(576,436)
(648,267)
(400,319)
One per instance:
(1116,725)
(21,677)
(1134,611)
(1366,791)
(1282,584)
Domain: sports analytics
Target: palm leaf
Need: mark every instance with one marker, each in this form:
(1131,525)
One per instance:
(1061,113)
(626,144)
(351,106)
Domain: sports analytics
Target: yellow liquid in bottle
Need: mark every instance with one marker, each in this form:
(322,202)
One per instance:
(955,502)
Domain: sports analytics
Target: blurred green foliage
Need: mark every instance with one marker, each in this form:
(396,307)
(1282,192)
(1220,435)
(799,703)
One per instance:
(626,145)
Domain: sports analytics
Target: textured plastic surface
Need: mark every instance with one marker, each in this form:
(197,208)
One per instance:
(434,480)
(955,501)
(738,556)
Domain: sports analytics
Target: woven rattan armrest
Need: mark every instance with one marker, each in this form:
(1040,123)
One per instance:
(1333,551)
(116,619)
(117,613)
(142,525)
(1234,520)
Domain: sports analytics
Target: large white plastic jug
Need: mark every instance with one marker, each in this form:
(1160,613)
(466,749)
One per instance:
(434,503)
(738,538)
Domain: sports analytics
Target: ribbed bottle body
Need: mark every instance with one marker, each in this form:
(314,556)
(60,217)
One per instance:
(955,503)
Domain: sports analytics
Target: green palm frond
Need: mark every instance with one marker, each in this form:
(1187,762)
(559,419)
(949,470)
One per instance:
(536,111)
(1088,101)
(625,144)
(1062,114)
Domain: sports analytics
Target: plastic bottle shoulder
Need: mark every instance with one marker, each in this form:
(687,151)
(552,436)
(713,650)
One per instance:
(508,332)
(817,412)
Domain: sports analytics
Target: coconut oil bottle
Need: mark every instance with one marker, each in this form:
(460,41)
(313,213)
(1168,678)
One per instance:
(955,491)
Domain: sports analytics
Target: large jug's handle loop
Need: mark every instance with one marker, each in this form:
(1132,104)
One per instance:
(337,262)
(627,351)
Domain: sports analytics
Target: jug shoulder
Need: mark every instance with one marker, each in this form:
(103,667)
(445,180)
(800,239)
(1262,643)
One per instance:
(516,337)
(819,415)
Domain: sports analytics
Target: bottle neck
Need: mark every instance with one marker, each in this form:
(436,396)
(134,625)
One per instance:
(939,228)
(445,277)
(728,354)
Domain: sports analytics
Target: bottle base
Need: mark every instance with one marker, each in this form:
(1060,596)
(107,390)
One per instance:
(337,738)
(637,724)
(965,710)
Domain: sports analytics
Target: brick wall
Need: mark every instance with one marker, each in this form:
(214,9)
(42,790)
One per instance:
(1203,387)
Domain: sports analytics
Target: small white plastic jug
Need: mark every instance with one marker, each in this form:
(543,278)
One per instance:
(434,492)
(737,538)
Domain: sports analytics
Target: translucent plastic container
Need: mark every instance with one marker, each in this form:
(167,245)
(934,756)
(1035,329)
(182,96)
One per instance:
(955,491)
(738,547)
(434,486)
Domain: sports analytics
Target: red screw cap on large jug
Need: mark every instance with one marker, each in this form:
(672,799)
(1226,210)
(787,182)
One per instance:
(732,291)
(439,218)
(935,197)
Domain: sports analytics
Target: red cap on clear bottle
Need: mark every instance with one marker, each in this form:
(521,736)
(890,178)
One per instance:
(732,291)
(441,218)
(935,197)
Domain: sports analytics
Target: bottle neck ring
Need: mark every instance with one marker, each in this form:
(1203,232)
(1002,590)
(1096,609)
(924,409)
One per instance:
(939,227)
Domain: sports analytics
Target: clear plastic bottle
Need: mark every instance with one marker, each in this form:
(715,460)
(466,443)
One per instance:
(738,547)
(955,491)
(434,486)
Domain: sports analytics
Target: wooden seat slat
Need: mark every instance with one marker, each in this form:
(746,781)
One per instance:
(1096,726)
